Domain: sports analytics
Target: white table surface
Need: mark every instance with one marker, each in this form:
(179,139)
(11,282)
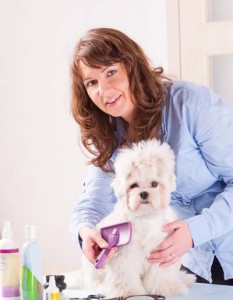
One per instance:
(199,291)
(202,291)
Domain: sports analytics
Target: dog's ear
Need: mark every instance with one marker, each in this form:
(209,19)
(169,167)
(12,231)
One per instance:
(167,174)
(122,165)
(119,186)
(166,163)
(168,186)
(172,181)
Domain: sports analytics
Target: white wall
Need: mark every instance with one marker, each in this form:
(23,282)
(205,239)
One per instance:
(41,166)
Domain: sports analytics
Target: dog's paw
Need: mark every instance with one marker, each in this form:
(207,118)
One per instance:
(134,290)
(180,286)
(189,279)
(123,291)
(112,292)
(178,289)
(171,289)
(74,279)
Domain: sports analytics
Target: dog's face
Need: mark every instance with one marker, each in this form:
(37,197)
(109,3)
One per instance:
(145,177)
(145,190)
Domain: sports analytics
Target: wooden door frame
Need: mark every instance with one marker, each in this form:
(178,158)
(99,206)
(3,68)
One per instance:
(183,30)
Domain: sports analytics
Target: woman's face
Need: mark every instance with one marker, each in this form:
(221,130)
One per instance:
(108,87)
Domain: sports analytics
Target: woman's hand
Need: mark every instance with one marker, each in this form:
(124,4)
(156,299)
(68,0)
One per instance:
(173,246)
(93,243)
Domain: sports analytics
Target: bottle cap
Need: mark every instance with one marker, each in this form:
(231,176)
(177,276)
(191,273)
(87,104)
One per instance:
(30,232)
(7,230)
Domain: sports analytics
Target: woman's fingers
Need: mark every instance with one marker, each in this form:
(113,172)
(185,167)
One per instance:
(93,243)
(174,245)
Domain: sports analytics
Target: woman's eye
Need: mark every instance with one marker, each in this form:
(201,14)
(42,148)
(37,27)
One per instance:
(154,184)
(134,185)
(111,72)
(90,83)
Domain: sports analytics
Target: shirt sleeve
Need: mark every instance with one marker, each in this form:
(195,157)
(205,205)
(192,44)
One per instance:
(213,132)
(95,202)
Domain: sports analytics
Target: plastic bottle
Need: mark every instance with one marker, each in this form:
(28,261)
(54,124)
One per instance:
(31,278)
(52,292)
(9,265)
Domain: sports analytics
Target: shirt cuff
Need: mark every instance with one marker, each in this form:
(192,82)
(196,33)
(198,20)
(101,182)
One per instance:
(75,228)
(200,230)
(85,224)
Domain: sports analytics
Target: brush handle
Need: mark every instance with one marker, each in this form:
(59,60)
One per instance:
(101,258)
(114,238)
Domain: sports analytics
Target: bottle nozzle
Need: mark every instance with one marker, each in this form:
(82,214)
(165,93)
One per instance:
(52,290)
(30,232)
(52,282)
(7,230)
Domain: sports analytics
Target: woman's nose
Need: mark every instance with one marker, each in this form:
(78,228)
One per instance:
(103,88)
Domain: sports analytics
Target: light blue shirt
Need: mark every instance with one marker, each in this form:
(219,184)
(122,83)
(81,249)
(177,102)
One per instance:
(198,125)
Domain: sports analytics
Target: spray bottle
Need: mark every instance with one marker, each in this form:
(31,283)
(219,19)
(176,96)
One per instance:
(32,278)
(9,265)
(52,292)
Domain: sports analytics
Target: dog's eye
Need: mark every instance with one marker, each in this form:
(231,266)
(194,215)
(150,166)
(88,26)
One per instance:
(134,185)
(154,184)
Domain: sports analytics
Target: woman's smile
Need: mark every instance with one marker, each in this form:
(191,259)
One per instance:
(113,101)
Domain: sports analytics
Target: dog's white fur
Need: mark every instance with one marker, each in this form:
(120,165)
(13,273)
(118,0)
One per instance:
(146,167)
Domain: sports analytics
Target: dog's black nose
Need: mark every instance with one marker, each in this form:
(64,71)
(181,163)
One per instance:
(144,195)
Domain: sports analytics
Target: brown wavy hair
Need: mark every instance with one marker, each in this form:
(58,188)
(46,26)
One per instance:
(103,47)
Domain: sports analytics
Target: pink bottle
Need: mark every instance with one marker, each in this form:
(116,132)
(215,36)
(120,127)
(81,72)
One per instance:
(9,265)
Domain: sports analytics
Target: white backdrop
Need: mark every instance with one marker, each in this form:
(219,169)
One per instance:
(41,166)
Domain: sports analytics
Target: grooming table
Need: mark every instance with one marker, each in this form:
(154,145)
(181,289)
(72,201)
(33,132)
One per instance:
(202,291)
(199,291)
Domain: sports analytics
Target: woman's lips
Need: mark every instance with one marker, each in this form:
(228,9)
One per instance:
(113,101)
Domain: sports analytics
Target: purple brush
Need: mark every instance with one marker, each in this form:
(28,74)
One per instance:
(113,240)
(115,235)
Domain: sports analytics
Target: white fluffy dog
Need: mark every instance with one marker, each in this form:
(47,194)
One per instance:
(144,181)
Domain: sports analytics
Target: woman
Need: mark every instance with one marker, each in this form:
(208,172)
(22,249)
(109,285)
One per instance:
(119,99)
